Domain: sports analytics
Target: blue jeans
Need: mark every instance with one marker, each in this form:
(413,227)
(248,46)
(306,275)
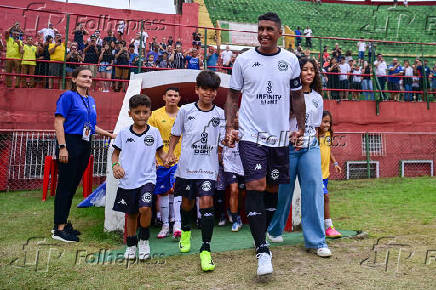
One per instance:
(408,97)
(306,164)
(367,85)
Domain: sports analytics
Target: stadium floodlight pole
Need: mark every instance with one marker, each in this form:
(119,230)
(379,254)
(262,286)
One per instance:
(367,155)
(140,48)
(205,49)
(64,65)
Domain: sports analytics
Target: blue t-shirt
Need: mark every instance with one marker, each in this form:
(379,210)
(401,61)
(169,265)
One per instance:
(212,61)
(297,33)
(155,54)
(395,71)
(132,58)
(77,111)
(193,62)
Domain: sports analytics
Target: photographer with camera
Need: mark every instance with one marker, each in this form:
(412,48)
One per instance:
(13,55)
(74,55)
(91,54)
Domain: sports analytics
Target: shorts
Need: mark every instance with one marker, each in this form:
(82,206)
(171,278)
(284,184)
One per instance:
(356,86)
(393,86)
(130,200)
(225,178)
(260,161)
(191,188)
(104,67)
(55,69)
(325,182)
(361,55)
(344,84)
(69,69)
(164,179)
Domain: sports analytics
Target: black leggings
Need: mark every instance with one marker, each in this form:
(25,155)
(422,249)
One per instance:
(70,175)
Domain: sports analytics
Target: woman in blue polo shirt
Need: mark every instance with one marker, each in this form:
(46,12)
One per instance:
(75,123)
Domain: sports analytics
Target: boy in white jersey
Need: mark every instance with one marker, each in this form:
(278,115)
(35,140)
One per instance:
(134,163)
(269,79)
(202,125)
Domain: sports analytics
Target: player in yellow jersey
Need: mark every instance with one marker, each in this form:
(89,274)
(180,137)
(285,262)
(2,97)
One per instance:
(325,135)
(163,119)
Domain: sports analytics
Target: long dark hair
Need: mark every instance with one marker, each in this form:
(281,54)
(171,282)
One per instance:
(316,85)
(320,132)
(75,74)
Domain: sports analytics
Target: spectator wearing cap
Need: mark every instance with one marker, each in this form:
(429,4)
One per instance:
(394,71)
(78,33)
(57,56)
(13,56)
(91,55)
(28,63)
(73,56)
(122,57)
(380,71)
(50,30)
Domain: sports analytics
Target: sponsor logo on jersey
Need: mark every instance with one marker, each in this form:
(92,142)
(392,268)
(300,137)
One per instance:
(269,87)
(256,64)
(191,118)
(130,140)
(188,187)
(203,137)
(275,174)
(328,140)
(283,65)
(148,140)
(206,186)
(146,197)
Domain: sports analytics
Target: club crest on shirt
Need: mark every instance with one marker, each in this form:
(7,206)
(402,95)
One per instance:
(215,121)
(275,174)
(148,140)
(206,186)
(315,103)
(283,65)
(328,140)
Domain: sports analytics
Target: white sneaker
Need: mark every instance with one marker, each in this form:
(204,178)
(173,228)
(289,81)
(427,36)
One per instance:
(177,231)
(324,252)
(264,264)
(130,253)
(144,250)
(278,239)
(163,232)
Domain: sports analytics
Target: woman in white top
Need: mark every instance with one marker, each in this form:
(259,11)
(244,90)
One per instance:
(305,163)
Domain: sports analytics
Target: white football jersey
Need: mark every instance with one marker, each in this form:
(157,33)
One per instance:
(138,156)
(202,133)
(232,161)
(314,110)
(265,82)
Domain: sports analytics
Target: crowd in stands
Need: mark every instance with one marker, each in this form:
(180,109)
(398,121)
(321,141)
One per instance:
(113,58)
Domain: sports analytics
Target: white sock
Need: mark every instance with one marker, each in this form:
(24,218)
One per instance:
(328,223)
(171,206)
(164,209)
(176,204)
(198,208)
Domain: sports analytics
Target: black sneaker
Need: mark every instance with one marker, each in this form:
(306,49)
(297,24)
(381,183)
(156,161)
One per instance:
(69,228)
(64,236)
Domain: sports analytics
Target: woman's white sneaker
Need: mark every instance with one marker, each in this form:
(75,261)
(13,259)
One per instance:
(324,252)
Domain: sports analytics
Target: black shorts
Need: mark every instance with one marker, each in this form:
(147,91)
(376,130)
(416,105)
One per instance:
(393,86)
(344,84)
(191,188)
(130,200)
(356,86)
(261,161)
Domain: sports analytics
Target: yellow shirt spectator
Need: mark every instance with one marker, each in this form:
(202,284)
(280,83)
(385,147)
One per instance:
(325,144)
(12,48)
(59,53)
(29,55)
(161,120)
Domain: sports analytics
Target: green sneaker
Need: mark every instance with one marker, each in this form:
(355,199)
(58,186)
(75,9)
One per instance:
(185,242)
(206,261)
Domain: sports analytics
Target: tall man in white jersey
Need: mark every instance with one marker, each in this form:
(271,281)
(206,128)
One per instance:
(269,78)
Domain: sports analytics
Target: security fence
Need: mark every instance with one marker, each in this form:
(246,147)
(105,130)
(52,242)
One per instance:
(360,154)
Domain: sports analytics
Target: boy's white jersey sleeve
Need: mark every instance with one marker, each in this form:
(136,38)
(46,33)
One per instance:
(118,143)
(237,79)
(178,127)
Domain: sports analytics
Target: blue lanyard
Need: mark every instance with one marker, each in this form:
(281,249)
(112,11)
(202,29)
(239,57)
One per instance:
(88,109)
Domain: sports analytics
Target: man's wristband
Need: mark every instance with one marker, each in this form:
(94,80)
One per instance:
(336,164)
(115,163)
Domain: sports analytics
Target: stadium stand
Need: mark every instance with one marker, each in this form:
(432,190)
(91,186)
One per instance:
(412,24)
